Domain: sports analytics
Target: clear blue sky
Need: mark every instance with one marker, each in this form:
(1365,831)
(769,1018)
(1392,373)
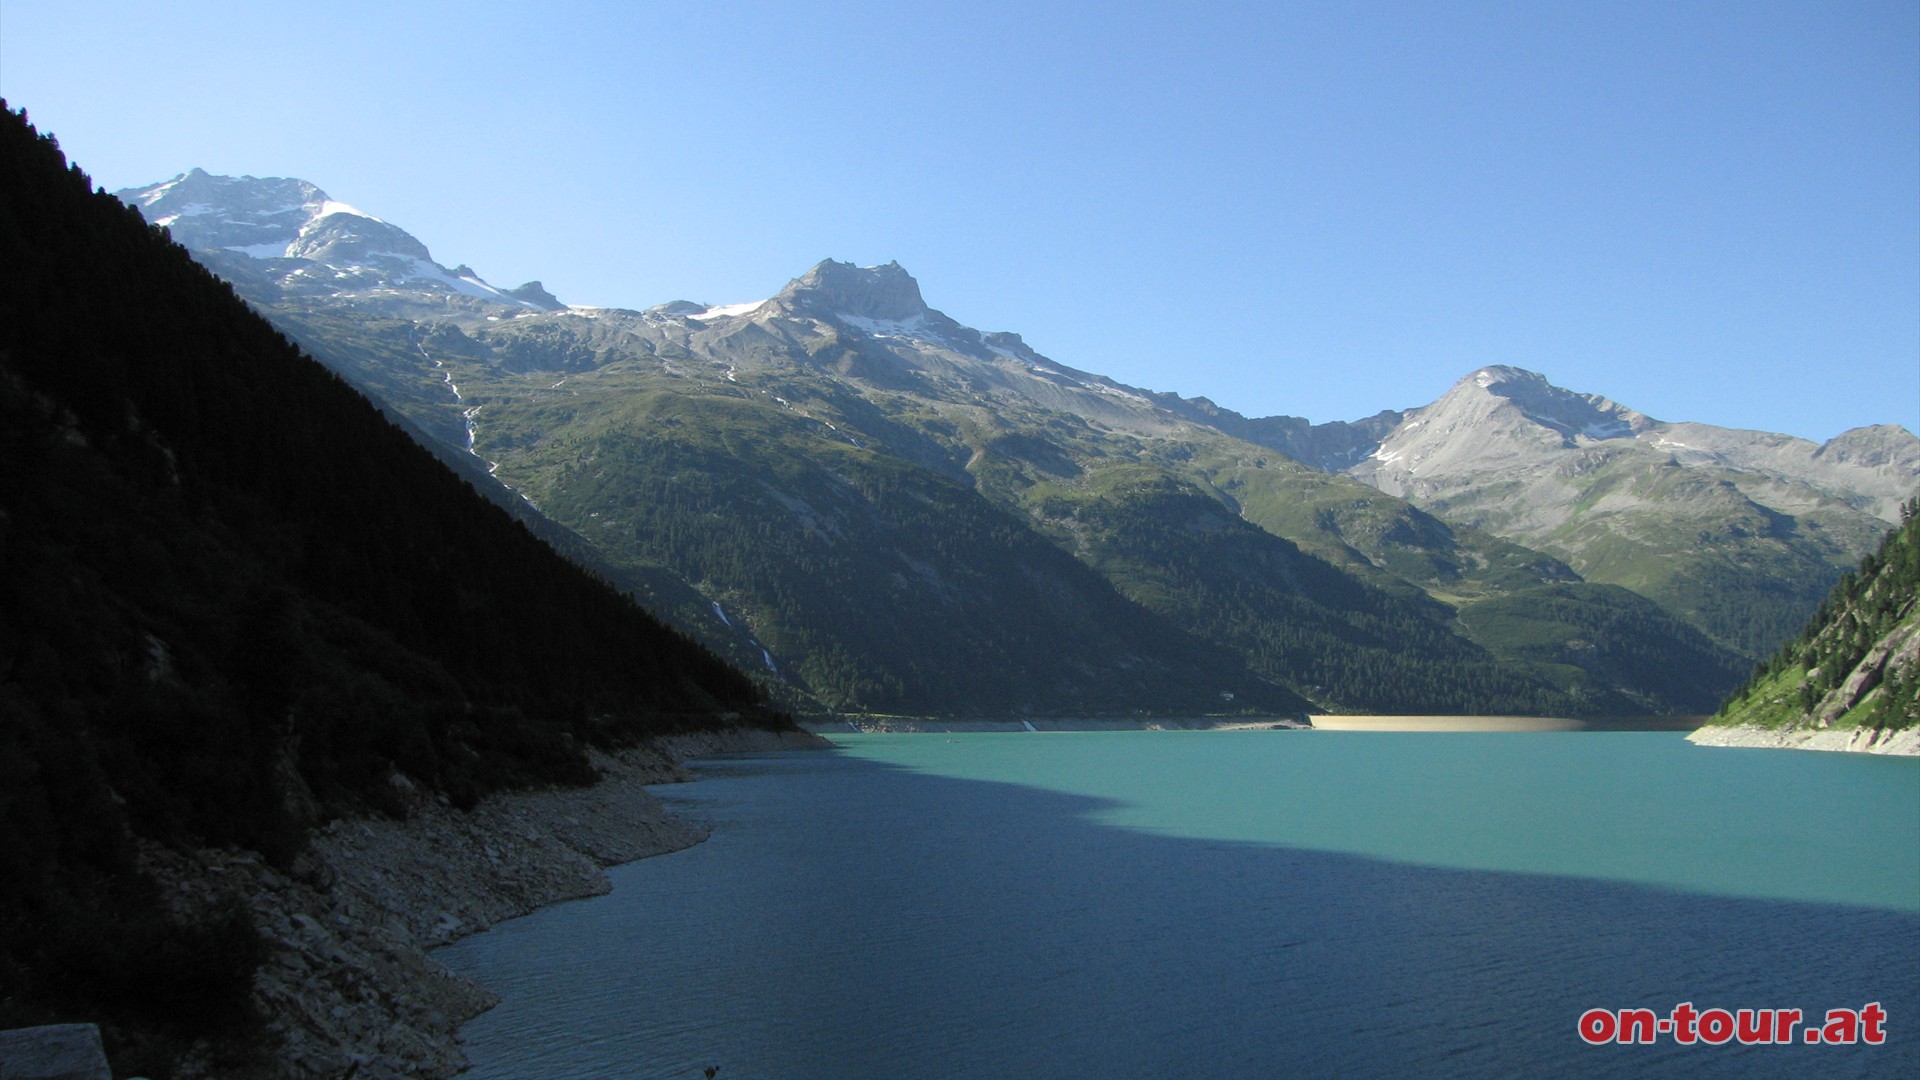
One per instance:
(1707,211)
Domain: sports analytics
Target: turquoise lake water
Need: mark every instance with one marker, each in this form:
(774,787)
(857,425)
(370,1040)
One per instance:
(1167,904)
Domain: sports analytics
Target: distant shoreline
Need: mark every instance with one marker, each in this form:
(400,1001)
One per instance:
(935,725)
(1505,723)
(867,725)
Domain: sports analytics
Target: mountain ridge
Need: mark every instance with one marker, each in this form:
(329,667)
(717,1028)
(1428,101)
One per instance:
(852,360)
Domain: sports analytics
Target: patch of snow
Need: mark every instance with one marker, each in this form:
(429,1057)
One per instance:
(329,207)
(1101,388)
(464,285)
(160,192)
(189,210)
(262,251)
(915,327)
(721,614)
(726,311)
(1484,378)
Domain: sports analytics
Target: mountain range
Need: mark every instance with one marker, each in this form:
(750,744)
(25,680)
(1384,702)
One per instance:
(879,509)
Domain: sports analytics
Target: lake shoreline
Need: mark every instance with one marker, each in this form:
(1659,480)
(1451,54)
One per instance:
(1901,743)
(927,725)
(349,985)
(934,725)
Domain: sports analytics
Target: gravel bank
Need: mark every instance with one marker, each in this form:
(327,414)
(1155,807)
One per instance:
(1858,740)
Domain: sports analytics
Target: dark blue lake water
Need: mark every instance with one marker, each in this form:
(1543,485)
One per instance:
(1226,904)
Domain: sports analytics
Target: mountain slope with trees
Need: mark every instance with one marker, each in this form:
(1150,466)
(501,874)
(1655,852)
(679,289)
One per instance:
(1854,670)
(236,601)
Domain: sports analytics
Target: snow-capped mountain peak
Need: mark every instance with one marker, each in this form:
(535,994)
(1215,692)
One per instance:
(309,242)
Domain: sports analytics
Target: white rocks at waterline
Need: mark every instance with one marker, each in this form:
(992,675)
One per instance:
(1905,742)
(348,986)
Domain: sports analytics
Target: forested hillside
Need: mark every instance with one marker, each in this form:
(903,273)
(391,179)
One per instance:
(236,601)
(1857,663)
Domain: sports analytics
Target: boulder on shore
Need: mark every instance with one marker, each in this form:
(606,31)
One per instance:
(54,1052)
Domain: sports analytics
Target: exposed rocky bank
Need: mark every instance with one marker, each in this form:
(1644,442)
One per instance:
(348,987)
(1905,741)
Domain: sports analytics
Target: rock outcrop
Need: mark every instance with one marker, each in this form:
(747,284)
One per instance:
(53,1052)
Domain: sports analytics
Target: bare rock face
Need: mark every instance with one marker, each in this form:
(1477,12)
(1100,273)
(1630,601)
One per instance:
(869,292)
(53,1052)
(1503,426)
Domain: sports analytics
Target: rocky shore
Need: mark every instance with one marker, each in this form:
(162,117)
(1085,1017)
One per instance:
(348,986)
(1859,740)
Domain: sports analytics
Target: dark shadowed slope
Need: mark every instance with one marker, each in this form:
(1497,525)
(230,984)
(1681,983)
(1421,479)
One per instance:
(235,601)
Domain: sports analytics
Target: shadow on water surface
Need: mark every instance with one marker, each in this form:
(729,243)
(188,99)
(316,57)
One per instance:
(851,918)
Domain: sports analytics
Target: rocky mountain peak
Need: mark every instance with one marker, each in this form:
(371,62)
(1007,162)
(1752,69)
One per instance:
(1566,412)
(269,218)
(869,292)
(533,292)
(287,228)
(202,210)
(1874,447)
